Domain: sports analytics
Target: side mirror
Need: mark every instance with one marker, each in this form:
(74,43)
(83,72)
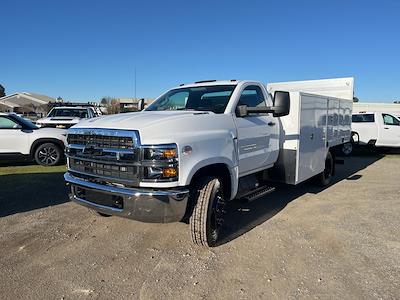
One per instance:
(140,104)
(281,104)
(241,111)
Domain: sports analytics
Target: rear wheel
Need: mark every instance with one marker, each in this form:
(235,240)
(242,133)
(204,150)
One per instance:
(325,177)
(207,217)
(48,154)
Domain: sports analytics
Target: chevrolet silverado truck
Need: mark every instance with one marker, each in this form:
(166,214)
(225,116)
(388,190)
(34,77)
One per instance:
(66,116)
(200,145)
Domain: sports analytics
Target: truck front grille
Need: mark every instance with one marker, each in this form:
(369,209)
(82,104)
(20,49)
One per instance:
(101,141)
(112,171)
(104,154)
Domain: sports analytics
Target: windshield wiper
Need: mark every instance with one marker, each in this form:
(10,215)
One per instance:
(189,109)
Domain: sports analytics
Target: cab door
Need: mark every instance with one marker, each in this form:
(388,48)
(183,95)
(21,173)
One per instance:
(389,131)
(257,134)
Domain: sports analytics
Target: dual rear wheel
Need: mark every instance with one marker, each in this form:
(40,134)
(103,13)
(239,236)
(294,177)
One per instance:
(325,178)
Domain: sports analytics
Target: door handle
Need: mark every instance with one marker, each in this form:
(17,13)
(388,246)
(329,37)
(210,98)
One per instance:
(271,123)
(385,127)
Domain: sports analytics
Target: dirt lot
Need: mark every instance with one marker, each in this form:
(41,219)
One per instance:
(340,242)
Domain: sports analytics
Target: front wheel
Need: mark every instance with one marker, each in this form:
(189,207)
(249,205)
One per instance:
(207,217)
(48,154)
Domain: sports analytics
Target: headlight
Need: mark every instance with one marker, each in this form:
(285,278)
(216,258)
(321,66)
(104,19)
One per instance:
(160,163)
(160,153)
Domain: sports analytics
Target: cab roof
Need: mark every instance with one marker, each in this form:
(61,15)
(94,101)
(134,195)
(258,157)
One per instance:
(210,83)
(69,107)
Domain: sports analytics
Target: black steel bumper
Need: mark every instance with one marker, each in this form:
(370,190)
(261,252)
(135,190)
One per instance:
(146,205)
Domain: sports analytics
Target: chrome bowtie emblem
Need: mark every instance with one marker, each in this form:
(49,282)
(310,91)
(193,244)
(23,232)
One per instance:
(92,150)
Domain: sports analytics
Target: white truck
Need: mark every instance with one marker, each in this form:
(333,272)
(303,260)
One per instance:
(389,108)
(378,129)
(67,116)
(200,145)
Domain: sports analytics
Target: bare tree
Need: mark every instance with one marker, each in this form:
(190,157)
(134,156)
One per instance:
(111,104)
(115,104)
(2,91)
(105,101)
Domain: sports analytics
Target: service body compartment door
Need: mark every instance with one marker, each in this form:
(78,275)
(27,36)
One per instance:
(312,144)
(334,134)
(346,107)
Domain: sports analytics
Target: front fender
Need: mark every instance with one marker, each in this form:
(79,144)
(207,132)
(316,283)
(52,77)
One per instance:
(209,149)
(232,168)
(40,141)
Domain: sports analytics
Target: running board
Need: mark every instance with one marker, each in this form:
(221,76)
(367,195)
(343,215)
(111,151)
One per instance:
(257,193)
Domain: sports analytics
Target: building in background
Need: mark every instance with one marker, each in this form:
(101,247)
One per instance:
(131,104)
(113,105)
(26,103)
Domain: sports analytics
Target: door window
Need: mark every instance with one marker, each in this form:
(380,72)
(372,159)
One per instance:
(252,96)
(390,120)
(6,123)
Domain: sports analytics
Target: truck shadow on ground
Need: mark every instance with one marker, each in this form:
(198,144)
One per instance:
(242,217)
(26,192)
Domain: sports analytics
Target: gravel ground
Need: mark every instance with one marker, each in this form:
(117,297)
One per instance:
(304,242)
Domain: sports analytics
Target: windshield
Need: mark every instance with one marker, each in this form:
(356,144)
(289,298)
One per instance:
(68,112)
(23,122)
(205,98)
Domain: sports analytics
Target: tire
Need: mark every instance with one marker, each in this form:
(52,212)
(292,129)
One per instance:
(48,154)
(207,216)
(325,177)
(347,148)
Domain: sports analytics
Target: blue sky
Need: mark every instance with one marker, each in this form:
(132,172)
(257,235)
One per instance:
(83,50)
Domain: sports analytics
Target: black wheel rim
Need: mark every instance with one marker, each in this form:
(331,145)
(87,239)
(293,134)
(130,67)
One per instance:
(347,148)
(217,214)
(48,155)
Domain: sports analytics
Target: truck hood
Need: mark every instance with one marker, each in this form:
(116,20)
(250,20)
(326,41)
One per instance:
(57,120)
(162,126)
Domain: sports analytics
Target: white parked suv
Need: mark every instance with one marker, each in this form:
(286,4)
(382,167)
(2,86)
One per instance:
(65,116)
(21,139)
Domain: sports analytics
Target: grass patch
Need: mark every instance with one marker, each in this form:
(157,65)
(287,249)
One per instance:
(30,169)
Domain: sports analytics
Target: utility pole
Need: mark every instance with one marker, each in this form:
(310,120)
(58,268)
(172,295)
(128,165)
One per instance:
(135,83)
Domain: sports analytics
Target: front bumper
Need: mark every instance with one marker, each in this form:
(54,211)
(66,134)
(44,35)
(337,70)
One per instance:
(146,205)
